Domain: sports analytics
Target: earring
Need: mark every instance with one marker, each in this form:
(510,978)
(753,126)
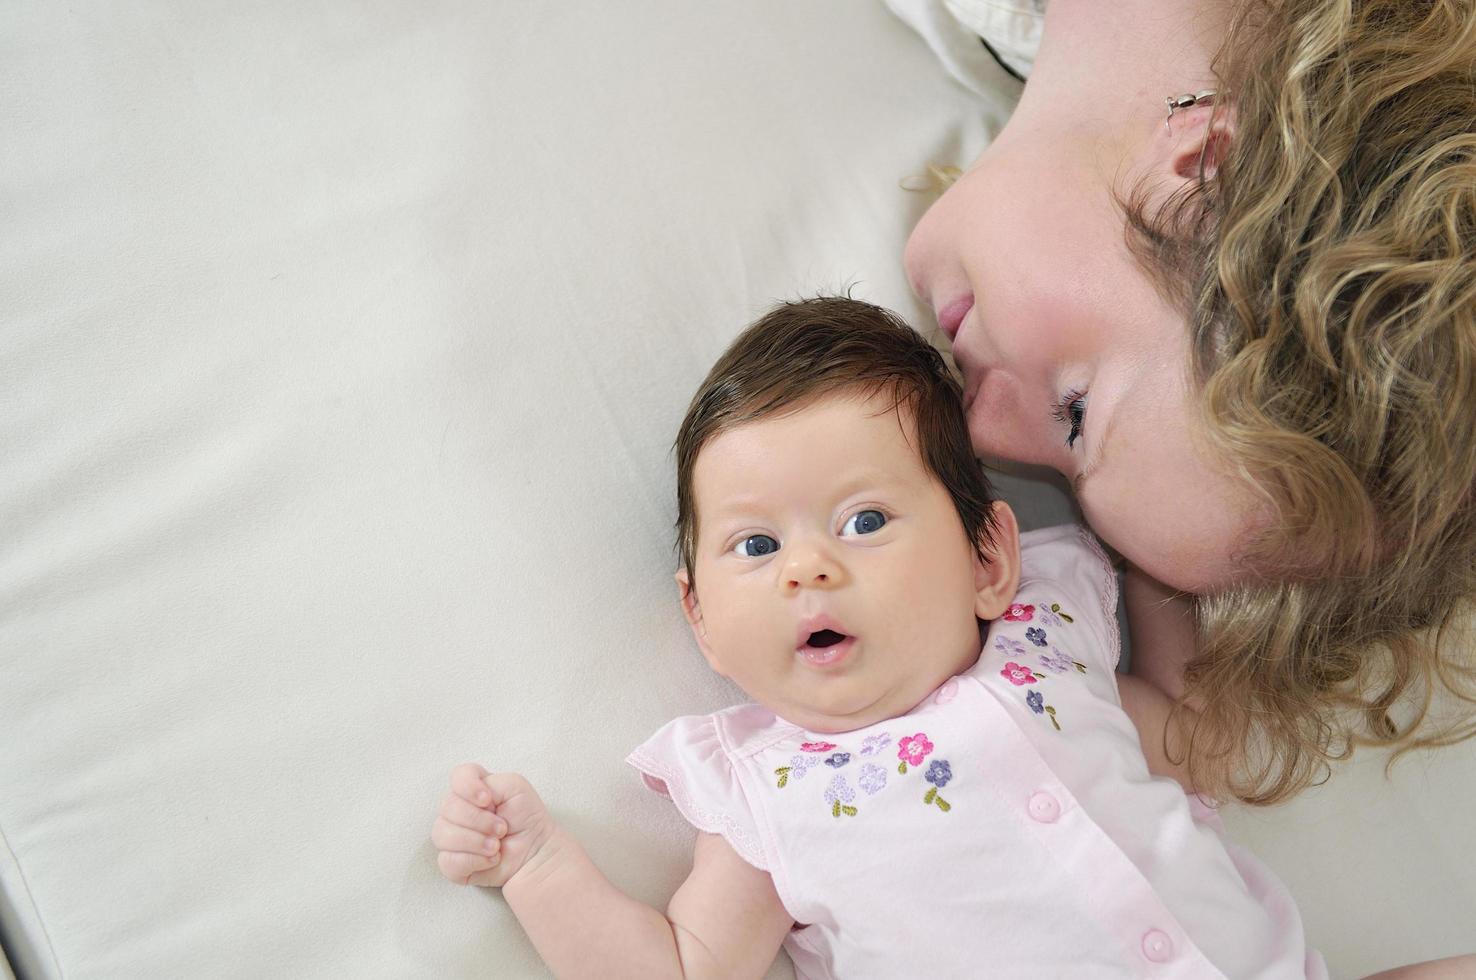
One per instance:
(1185,101)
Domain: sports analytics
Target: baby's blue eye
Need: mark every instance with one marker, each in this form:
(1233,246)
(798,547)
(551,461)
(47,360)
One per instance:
(756,546)
(865,522)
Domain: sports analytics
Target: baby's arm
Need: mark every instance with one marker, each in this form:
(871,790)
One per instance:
(725,920)
(1162,625)
(1453,968)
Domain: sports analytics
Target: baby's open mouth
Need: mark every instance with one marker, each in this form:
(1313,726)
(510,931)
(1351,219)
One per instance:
(824,638)
(827,648)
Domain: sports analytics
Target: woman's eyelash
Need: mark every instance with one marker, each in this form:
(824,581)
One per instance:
(1070,412)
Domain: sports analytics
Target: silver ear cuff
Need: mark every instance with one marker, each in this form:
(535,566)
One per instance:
(1185,101)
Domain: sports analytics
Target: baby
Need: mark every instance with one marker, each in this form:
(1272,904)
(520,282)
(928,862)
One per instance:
(909,794)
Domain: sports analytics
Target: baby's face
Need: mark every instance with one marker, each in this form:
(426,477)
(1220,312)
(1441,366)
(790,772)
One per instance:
(835,582)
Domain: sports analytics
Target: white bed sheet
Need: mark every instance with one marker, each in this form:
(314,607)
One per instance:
(341,348)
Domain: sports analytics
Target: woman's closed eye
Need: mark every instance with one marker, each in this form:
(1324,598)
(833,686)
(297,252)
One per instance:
(756,546)
(864,522)
(1070,412)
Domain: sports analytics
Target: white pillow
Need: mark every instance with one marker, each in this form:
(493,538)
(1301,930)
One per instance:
(343,348)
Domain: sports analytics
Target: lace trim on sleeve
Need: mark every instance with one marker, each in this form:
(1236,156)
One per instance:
(741,838)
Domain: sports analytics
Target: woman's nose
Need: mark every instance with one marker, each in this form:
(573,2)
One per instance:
(914,258)
(920,258)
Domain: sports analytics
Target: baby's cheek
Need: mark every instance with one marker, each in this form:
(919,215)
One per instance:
(924,603)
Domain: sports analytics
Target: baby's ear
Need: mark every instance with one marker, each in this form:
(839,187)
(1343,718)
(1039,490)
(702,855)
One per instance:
(688,596)
(997,581)
(692,609)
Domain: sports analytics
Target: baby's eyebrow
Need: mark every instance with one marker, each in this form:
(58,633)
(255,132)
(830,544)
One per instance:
(736,505)
(871,478)
(723,519)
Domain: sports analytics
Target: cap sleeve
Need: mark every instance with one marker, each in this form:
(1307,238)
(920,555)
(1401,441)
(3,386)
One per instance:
(686,762)
(1065,567)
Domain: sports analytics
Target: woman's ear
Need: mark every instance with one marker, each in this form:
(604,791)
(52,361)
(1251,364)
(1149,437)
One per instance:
(692,609)
(997,581)
(1196,140)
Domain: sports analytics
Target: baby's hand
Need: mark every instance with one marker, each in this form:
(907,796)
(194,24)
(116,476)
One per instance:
(489,826)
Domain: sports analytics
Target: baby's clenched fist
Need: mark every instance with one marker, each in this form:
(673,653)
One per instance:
(488,827)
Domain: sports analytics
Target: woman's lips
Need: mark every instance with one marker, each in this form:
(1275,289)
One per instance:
(951,316)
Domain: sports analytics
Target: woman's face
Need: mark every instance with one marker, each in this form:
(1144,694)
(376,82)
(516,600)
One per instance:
(1071,359)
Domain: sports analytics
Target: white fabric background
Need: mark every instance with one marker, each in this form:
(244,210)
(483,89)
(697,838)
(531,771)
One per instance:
(341,348)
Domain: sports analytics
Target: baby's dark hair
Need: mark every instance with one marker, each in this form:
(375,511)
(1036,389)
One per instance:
(802,351)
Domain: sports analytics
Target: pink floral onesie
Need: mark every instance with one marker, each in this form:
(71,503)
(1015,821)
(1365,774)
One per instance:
(1007,826)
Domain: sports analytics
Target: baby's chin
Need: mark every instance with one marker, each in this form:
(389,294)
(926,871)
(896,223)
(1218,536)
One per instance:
(853,711)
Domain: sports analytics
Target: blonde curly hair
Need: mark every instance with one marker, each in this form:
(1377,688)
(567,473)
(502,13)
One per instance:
(1328,271)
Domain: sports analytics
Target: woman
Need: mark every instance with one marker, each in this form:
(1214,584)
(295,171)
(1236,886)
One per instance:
(1220,271)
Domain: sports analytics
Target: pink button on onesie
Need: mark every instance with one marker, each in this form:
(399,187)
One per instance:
(1007,826)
